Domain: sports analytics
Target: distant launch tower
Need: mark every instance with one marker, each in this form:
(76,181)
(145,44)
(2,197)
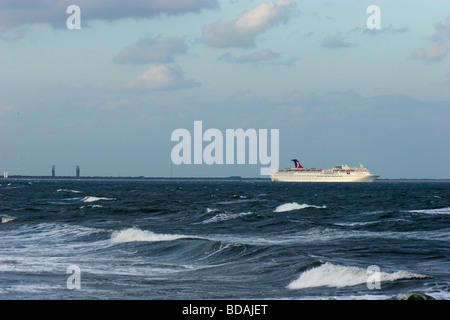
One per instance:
(53,170)
(78,171)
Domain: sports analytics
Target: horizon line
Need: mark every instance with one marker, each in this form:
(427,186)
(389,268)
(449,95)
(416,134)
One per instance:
(142,178)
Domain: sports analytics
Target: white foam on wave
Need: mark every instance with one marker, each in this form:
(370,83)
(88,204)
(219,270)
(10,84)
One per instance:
(67,190)
(331,275)
(354,224)
(93,199)
(209,210)
(40,247)
(33,288)
(138,235)
(238,200)
(433,211)
(226,216)
(6,218)
(91,206)
(295,206)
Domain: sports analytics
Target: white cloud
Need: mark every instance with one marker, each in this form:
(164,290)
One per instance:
(151,50)
(440,46)
(433,52)
(161,77)
(15,13)
(242,31)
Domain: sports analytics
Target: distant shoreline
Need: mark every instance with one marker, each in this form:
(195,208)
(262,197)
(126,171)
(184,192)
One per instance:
(231,178)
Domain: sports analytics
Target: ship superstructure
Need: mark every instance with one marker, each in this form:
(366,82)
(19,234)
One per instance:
(343,173)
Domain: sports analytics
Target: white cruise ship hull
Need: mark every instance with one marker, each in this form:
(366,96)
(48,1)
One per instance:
(318,177)
(336,174)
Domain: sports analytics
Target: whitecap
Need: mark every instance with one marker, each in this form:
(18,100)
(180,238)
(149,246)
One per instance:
(93,199)
(433,211)
(91,206)
(138,235)
(33,288)
(295,206)
(6,218)
(331,275)
(353,224)
(67,190)
(238,200)
(226,216)
(209,210)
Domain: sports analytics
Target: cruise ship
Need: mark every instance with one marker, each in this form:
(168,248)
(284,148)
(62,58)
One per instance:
(342,173)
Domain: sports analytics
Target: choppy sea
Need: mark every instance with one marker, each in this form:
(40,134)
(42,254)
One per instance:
(249,239)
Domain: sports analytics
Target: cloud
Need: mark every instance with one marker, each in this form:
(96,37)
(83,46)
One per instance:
(242,31)
(160,77)
(434,52)
(14,35)
(440,46)
(265,56)
(16,13)
(261,55)
(329,99)
(384,30)
(335,41)
(151,50)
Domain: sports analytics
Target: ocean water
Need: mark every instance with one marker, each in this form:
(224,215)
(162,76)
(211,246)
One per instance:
(177,240)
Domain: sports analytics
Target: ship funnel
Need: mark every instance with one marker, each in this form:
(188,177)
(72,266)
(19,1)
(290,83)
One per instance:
(297,164)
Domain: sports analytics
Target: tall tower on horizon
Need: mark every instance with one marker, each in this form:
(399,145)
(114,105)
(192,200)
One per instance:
(53,170)
(78,171)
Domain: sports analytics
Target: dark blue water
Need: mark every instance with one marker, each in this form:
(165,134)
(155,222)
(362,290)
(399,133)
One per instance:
(224,240)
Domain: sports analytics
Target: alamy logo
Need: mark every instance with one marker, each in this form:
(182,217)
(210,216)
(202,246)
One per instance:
(235,144)
(374,21)
(74,20)
(74,280)
(373,277)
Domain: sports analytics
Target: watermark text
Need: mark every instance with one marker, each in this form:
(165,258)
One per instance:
(74,280)
(228,148)
(373,277)
(74,20)
(374,20)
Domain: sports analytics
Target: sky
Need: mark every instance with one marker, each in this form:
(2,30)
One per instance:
(107,96)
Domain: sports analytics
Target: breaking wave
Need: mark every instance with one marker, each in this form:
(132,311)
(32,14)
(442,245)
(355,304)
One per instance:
(93,199)
(295,206)
(6,218)
(331,275)
(138,235)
